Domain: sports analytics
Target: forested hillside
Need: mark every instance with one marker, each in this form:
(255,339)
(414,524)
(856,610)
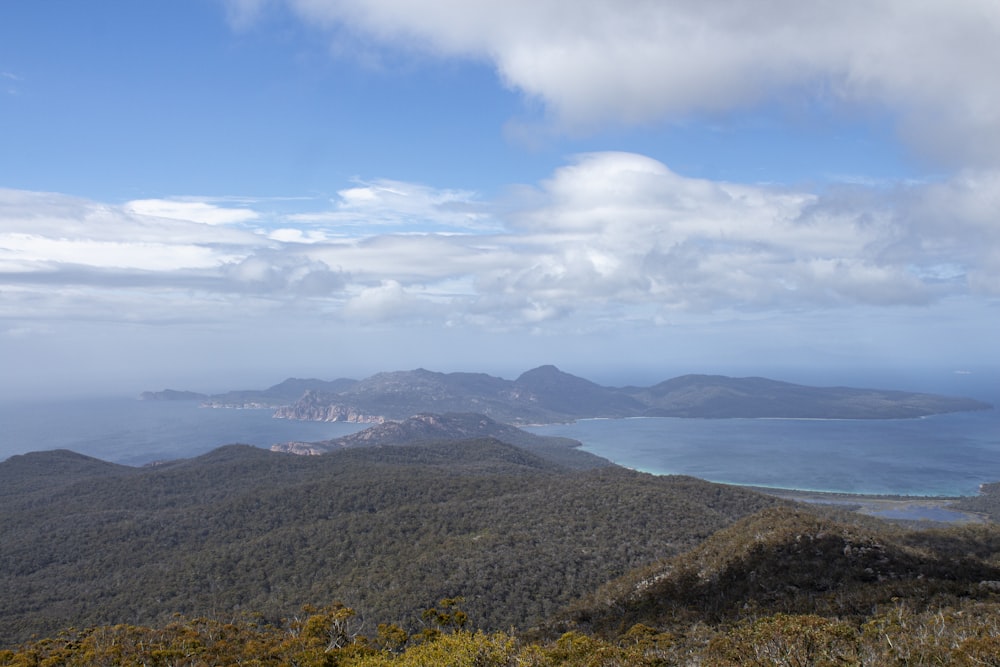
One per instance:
(794,561)
(386,530)
(472,552)
(781,587)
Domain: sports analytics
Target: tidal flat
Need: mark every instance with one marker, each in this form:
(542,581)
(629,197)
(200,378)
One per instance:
(901,508)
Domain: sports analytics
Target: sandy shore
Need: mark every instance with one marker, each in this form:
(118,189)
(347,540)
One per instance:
(909,508)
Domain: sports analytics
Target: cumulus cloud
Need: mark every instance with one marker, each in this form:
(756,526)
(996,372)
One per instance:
(387,302)
(284,274)
(622,228)
(593,62)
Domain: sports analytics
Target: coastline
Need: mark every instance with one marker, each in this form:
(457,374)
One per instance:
(932,509)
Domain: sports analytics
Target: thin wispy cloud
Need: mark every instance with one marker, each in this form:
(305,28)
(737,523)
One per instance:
(385,204)
(11,80)
(192,211)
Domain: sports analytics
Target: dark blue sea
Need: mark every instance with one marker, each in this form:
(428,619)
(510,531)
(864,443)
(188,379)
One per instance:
(940,455)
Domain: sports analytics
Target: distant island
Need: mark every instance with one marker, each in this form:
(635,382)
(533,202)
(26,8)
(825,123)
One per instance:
(172,395)
(549,395)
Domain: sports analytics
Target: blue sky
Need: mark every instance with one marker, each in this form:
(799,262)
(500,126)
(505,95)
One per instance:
(216,193)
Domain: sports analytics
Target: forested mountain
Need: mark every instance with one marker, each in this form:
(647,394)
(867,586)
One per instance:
(275,396)
(386,530)
(546,395)
(24,473)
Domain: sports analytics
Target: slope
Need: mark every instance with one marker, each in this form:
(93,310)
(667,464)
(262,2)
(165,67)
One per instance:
(386,530)
(789,560)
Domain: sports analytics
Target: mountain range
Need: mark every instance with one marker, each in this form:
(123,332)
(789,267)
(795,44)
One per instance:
(548,395)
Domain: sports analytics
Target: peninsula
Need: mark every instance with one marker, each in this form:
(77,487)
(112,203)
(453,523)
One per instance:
(549,395)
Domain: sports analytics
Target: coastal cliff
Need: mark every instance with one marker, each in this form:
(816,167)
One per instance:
(322,407)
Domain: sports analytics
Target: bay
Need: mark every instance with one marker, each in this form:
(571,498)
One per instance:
(940,455)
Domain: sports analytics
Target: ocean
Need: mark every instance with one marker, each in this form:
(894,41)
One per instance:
(941,455)
(134,432)
(945,455)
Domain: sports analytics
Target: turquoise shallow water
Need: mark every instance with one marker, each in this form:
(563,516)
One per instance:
(940,455)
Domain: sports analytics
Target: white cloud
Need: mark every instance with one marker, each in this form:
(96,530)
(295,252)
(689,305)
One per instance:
(293,235)
(386,205)
(608,238)
(193,211)
(593,62)
(30,248)
(619,227)
(389,301)
(49,233)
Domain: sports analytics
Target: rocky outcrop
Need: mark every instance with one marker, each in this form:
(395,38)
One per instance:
(317,406)
(282,394)
(241,405)
(300,448)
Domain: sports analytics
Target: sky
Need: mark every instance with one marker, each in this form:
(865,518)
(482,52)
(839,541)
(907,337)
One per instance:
(218,194)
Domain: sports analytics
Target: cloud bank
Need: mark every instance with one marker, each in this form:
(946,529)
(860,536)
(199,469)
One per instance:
(607,236)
